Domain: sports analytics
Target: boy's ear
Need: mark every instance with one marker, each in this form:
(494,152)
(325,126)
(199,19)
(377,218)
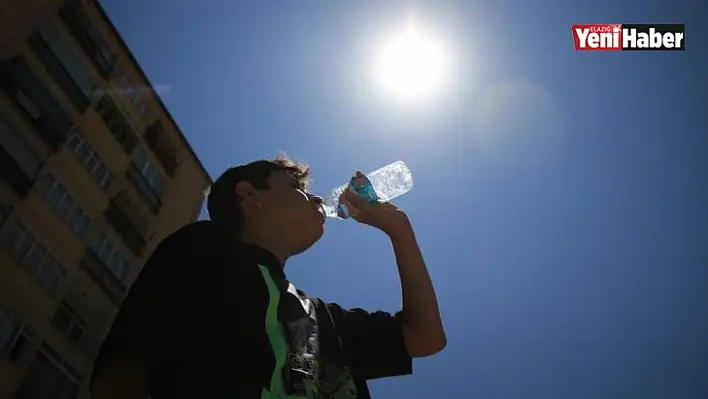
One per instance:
(248,194)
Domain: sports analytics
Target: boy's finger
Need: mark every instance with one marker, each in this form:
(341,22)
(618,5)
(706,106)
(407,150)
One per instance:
(356,200)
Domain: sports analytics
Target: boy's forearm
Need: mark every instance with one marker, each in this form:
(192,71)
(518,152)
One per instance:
(423,329)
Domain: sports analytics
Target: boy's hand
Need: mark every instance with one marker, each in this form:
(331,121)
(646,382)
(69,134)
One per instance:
(383,216)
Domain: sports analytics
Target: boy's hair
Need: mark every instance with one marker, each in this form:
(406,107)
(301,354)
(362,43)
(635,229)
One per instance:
(224,204)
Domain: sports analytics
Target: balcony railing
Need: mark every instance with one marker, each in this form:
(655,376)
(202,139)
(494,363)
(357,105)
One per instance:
(15,176)
(110,285)
(127,223)
(163,149)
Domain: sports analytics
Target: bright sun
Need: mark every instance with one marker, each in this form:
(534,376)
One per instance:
(413,65)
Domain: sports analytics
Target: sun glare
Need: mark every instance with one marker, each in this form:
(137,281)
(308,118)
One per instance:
(413,65)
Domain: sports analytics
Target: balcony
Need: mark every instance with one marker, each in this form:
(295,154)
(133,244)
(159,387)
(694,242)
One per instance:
(147,193)
(27,92)
(14,175)
(123,216)
(81,319)
(110,285)
(90,40)
(123,132)
(60,68)
(53,134)
(163,149)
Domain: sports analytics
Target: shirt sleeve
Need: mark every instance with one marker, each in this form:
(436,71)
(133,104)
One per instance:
(372,342)
(143,317)
(149,326)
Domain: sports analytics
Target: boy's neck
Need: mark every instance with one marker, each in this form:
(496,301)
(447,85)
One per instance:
(273,246)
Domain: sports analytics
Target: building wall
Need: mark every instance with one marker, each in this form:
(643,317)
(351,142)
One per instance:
(50,255)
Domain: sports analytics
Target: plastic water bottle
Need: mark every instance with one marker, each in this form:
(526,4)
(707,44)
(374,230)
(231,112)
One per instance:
(381,185)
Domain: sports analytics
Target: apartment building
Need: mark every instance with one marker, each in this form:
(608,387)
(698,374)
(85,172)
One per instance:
(94,172)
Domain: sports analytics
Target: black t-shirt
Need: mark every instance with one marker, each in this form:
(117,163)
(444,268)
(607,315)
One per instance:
(214,319)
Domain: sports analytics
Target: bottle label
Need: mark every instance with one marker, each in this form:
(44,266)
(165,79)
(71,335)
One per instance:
(362,187)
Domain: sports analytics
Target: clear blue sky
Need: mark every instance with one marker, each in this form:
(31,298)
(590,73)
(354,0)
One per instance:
(561,198)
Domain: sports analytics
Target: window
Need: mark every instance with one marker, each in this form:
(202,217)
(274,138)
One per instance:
(137,95)
(34,99)
(90,160)
(60,61)
(88,37)
(124,133)
(14,336)
(18,149)
(67,321)
(114,258)
(149,171)
(49,376)
(64,204)
(35,258)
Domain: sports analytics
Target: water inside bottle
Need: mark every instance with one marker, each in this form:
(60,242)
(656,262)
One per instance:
(391,181)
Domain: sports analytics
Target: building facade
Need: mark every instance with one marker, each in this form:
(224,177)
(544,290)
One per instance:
(94,172)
